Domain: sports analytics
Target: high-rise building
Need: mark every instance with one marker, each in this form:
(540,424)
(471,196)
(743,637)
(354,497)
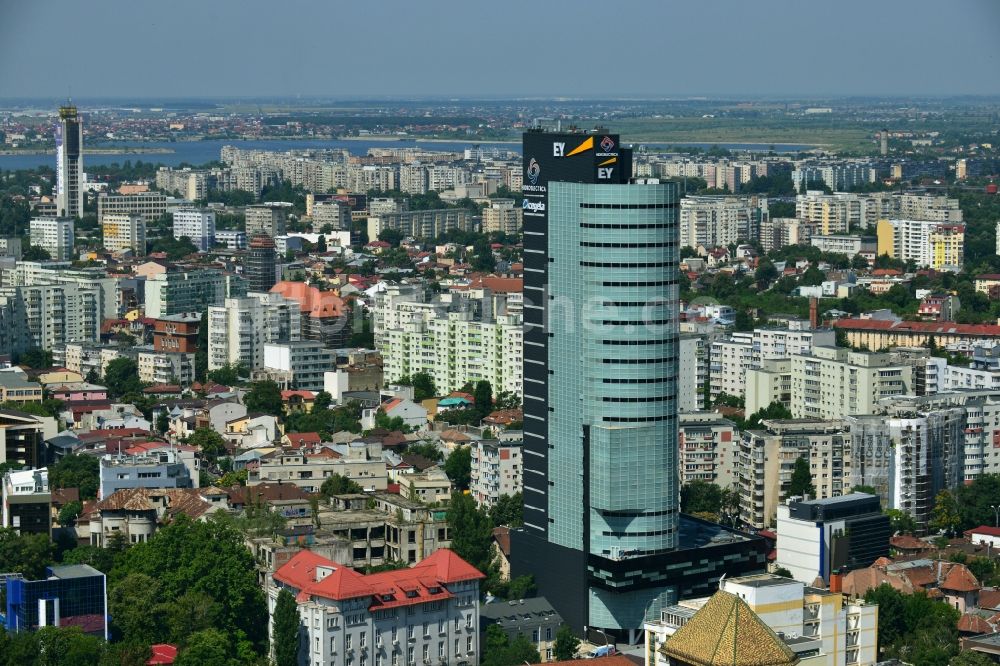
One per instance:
(54,235)
(600,483)
(267,218)
(192,291)
(260,266)
(124,231)
(238,330)
(501,215)
(197,224)
(151,205)
(69,163)
(929,244)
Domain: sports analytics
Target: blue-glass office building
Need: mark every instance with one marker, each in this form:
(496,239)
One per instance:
(602,532)
(71,595)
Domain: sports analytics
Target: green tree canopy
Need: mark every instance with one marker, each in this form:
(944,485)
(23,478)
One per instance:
(946,515)
(701,497)
(566,643)
(77,471)
(336,484)
(286,630)
(458,467)
(212,444)
(209,646)
(122,377)
(801,484)
(264,396)
(508,511)
(471,531)
(26,554)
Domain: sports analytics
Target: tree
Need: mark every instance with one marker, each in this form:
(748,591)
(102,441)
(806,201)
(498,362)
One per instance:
(901,522)
(227,375)
(566,643)
(210,558)
(26,554)
(508,511)
(458,467)
(211,443)
(914,627)
(36,358)
(321,245)
(945,516)
(483,395)
(499,651)
(322,401)
(63,646)
(801,484)
(783,572)
(471,531)
(35,253)
(210,646)
(77,471)
(701,496)
(122,377)
(264,396)
(162,422)
(971,658)
(130,603)
(201,353)
(428,450)
(286,630)
(69,512)
(339,485)
(423,386)
(188,614)
(766,272)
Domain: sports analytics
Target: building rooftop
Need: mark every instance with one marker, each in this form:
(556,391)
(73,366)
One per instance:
(74,571)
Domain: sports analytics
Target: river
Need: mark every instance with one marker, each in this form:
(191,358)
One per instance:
(201,152)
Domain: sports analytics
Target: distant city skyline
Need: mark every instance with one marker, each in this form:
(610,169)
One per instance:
(447,48)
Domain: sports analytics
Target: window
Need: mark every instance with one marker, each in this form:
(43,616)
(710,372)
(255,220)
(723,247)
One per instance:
(468,644)
(441,626)
(548,633)
(364,638)
(333,646)
(394,633)
(427,632)
(534,636)
(410,655)
(347,641)
(427,652)
(441,654)
(458,646)
(409,631)
(468,620)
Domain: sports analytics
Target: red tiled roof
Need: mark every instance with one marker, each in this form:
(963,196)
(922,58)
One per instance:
(387,589)
(989,276)
(299,439)
(311,300)
(307,395)
(908,542)
(974,624)
(163,653)
(960,579)
(502,536)
(927,327)
(985,530)
(989,598)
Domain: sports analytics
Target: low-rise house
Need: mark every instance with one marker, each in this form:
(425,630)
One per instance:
(412,414)
(359,461)
(533,619)
(136,513)
(430,487)
(252,431)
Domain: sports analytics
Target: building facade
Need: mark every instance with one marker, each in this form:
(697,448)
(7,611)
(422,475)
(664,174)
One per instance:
(197,225)
(173,293)
(497,470)
(239,329)
(124,231)
(69,163)
(54,235)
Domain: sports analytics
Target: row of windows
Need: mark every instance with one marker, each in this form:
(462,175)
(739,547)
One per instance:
(654,283)
(637,361)
(652,322)
(636,304)
(596,244)
(635,419)
(591,225)
(621,206)
(636,514)
(651,398)
(647,380)
(630,264)
(638,534)
(665,341)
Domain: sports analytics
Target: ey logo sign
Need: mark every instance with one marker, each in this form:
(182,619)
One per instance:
(559,148)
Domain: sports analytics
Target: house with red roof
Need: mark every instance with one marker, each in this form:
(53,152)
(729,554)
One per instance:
(429,611)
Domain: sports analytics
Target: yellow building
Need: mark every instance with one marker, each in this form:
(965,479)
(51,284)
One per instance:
(124,231)
(927,243)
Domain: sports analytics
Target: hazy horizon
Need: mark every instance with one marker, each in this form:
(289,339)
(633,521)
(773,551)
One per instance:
(445,49)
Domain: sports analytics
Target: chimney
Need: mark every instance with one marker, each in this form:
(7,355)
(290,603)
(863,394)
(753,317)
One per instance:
(813,318)
(836,582)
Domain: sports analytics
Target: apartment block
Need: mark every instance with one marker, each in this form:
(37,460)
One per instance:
(163,468)
(124,231)
(166,367)
(359,462)
(240,327)
(305,361)
(54,235)
(766,459)
(835,382)
(713,221)
(421,223)
(333,213)
(497,470)
(58,313)
(197,225)
(173,293)
(708,445)
(692,372)
(270,219)
(502,216)
(929,244)
(151,205)
(845,244)
(27,501)
(39,273)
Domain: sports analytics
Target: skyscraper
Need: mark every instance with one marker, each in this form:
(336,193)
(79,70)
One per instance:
(69,163)
(260,267)
(601,498)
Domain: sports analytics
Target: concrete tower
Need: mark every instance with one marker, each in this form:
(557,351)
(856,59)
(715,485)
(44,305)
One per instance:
(69,163)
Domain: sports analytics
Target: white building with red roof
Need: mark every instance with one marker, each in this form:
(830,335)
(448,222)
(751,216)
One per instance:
(425,614)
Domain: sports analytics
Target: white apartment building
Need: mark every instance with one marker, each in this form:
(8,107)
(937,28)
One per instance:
(837,213)
(502,216)
(497,470)
(708,446)
(455,348)
(41,273)
(232,239)
(822,628)
(779,232)
(426,614)
(192,291)
(151,205)
(835,382)
(843,244)
(54,235)
(197,224)
(692,372)
(839,177)
(159,367)
(190,184)
(305,361)
(239,329)
(937,245)
(728,362)
(59,313)
(713,221)
(124,231)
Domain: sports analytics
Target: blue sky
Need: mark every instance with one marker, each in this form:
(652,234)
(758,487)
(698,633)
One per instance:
(469,48)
